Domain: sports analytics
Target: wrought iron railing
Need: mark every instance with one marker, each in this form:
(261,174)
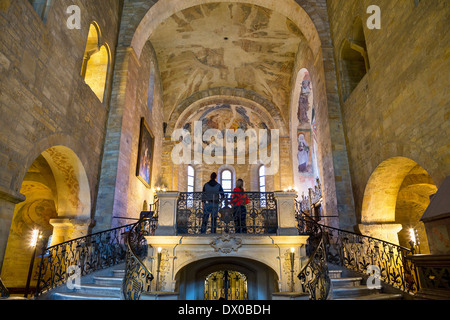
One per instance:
(234,212)
(4,293)
(81,257)
(385,261)
(362,253)
(137,276)
(314,275)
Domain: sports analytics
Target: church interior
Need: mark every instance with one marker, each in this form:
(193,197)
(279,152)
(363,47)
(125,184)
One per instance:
(326,123)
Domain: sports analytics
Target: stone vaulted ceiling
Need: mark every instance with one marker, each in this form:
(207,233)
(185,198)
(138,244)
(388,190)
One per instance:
(226,45)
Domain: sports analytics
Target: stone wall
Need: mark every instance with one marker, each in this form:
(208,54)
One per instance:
(44,101)
(400,107)
(121,193)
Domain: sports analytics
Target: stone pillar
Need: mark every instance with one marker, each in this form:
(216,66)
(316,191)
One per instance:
(167,219)
(66,229)
(164,274)
(287,223)
(8,201)
(437,220)
(384,231)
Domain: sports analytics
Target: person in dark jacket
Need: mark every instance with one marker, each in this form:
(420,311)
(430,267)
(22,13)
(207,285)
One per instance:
(212,196)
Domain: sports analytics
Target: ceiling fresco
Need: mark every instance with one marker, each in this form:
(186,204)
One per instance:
(226,45)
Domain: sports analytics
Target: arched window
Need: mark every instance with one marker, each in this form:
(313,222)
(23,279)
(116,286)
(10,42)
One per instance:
(190,186)
(191,179)
(96,62)
(262,179)
(227,182)
(42,7)
(354,61)
(262,184)
(151,88)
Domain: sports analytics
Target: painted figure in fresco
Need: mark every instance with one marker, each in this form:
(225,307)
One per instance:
(303,104)
(303,154)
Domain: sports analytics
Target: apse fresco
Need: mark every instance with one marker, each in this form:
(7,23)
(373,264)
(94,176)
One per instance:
(224,117)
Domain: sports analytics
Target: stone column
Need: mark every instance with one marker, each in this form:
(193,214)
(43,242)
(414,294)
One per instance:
(167,220)
(8,201)
(383,231)
(437,220)
(287,223)
(66,229)
(165,246)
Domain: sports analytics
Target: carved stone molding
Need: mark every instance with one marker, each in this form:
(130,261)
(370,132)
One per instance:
(226,244)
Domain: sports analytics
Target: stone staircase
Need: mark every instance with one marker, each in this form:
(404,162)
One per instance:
(348,286)
(105,285)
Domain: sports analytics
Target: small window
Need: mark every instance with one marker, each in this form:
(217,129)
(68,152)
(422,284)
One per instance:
(191,179)
(190,186)
(262,179)
(262,185)
(96,63)
(42,7)
(227,182)
(354,60)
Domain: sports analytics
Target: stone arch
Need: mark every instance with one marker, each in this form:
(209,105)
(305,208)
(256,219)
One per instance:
(165,8)
(58,204)
(230,96)
(302,122)
(96,62)
(396,196)
(261,277)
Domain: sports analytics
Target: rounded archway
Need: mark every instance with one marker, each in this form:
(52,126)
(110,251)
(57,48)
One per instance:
(58,204)
(396,196)
(260,280)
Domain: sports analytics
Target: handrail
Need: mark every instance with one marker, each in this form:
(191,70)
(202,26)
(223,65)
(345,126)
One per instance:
(230,212)
(362,253)
(81,256)
(137,276)
(4,293)
(314,274)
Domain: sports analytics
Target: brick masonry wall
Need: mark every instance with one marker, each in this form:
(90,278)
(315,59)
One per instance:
(400,108)
(44,101)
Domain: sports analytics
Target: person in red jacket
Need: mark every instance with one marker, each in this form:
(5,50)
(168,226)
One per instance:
(239,201)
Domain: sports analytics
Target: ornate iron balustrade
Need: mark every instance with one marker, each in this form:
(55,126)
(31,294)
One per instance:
(4,293)
(314,275)
(357,252)
(82,256)
(234,212)
(137,276)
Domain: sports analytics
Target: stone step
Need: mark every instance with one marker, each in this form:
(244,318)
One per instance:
(99,289)
(346,282)
(81,296)
(335,274)
(350,292)
(109,281)
(119,273)
(377,296)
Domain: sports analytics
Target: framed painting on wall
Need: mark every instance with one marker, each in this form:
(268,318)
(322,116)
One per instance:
(145,154)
